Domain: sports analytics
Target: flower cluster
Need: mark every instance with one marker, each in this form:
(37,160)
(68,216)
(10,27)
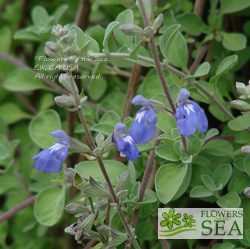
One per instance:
(189,115)
(141,132)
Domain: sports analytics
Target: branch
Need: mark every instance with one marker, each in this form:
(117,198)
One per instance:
(90,244)
(82,17)
(100,162)
(17,208)
(145,179)
(158,66)
(198,59)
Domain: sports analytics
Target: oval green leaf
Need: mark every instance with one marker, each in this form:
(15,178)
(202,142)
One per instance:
(49,206)
(23,80)
(42,125)
(92,168)
(169,180)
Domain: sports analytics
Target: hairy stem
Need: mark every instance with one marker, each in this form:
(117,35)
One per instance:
(198,59)
(145,179)
(100,162)
(158,65)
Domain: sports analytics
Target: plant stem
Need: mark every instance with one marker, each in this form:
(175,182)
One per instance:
(158,65)
(90,244)
(100,162)
(17,208)
(82,17)
(198,59)
(172,70)
(145,179)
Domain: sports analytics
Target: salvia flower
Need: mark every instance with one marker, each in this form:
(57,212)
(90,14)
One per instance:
(143,129)
(189,115)
(51,159)
(125,142)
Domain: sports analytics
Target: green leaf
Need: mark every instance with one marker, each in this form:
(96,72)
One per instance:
(108,33)
(166,151)
(203,69)
(208,182)
(191,23)
(218,147)
(231,6)
(82,39)
(25,34)
(238,183)
(59,12)
(240,123)
(229,200)
(211,133)
(97,88)
(200,191)
(172,176)
(23,80)
(125,17)
(148,89)
(39,15)
(49,205)
(42,125)
(234,41)
(12,113)
(222,174)
(223,67)
(92,168)
(107,123)
(175,49)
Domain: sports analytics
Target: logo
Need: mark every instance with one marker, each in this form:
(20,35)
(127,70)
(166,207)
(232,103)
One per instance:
(200,223)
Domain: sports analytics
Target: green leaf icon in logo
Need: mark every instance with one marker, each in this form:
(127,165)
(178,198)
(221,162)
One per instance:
(170,219)
(188,220)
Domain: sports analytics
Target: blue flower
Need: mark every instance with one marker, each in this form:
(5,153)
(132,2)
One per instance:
(189,115)
(143,129)
(51,159)
(125,142)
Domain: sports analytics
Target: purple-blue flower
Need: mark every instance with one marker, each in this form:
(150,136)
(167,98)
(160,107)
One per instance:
(125,142)
(189,115)
(143,129)
(51,159)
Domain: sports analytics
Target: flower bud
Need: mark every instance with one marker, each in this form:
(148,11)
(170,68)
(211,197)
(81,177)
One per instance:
(65,81)
(242,90)
(148,8)
(99,139)
(102,204)
(98,152)
(86,224)
(241,105)
(122,195)
(75,208)
(117,238)
(56,30)
(122,181)
(77,146)
(96,189)
(108,143)
(131,29)
(64,101)
(83,100)
(49,53)
(158,22)
(149,31)
(69,173)
(247,192)
(53,46)
(246,150)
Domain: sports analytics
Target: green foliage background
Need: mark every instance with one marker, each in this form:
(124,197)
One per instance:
(213,174)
